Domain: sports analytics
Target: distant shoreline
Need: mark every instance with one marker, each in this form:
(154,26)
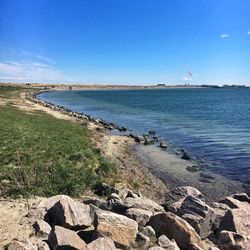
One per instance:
(47,86)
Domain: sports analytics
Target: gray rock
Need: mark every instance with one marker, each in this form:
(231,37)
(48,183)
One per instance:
(141,216)
(174,198)
(42,229)
(220,210)
(96,201)
(104,189)
(163,145)
(114,196)
(143,203)
(198,214)
(148,231)
(175,228)
(62,238)
(103,243)
(149,141)
(142,240)
(114,205)
(152,132)
(139,139)
(184,155)
(164,242)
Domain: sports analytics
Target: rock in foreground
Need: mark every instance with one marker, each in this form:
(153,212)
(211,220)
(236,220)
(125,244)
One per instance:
(175,228)
(62,238)
(119,228)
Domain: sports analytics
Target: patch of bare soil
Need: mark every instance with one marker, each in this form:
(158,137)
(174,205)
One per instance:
(14,225)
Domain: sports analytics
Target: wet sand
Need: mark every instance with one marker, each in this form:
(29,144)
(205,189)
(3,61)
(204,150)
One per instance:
(173,171)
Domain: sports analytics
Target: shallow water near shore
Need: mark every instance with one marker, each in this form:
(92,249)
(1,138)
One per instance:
(213,125)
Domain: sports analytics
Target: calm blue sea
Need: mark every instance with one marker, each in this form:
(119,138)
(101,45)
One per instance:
(213,125)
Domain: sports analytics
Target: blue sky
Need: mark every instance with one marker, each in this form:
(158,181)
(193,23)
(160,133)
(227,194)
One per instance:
(125,41)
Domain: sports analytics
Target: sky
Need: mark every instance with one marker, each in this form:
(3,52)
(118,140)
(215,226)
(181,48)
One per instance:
(125,41)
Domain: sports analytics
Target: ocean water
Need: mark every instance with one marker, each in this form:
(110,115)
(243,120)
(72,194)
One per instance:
(213,125)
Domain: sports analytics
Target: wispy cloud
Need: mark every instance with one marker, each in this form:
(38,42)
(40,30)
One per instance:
(248,32)
(224,35)
(45,58)
(30,72)
(24,66)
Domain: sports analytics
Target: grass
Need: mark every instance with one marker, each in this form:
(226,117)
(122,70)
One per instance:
(42,155)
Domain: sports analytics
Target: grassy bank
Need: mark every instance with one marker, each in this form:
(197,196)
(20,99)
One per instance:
(42,155)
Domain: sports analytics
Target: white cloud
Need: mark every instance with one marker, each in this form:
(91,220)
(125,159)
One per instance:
(30,71)
(248,32)
(29,67)
(225,35)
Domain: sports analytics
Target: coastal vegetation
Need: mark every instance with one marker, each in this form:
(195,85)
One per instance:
(42,155)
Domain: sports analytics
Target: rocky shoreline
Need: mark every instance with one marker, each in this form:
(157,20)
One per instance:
(121,218)
(167,173)
(127,220)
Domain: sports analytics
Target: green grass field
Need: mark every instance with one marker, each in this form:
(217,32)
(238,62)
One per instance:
(42,155)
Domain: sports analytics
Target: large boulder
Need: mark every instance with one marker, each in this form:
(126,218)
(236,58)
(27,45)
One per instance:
(141,216)
(198,214)
(119,228)
(175,228)
(62,238)
(143,203)
(103,243)
(175,197)
(69,214)
(50,202)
